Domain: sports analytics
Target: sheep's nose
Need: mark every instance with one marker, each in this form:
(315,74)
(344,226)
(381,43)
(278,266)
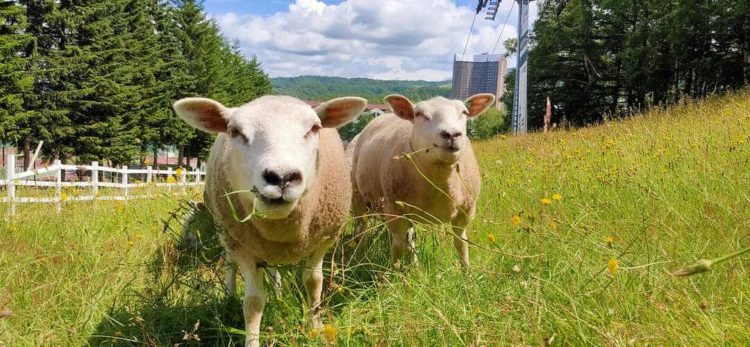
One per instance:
(282,180)
(450,135)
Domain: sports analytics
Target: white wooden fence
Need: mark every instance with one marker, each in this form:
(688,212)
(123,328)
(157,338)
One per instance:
(180,179)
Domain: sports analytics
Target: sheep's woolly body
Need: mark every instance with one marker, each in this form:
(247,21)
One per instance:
(316,221)
(382,176)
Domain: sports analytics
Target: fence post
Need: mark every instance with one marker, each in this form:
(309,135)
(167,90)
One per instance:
(125,181)
(197,173)
(58,185)
(183,180)
(94,179)
(169,174)
(149,180)
(10,173)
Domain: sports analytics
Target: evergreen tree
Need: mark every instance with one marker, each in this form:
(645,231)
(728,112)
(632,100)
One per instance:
(96,79)
(14,81)
(600,57)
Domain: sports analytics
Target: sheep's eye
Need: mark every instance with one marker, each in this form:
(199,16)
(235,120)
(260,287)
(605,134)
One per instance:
(313,131)
(420,114)
(235,133)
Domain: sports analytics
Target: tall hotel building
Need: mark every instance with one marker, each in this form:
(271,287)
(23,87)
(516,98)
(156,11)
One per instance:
(485,73)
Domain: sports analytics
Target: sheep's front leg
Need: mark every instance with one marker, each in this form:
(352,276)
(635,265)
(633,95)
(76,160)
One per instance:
(462,247)
(313,277)
(254,300)
(359,211)
(460,239)
(275,276)
(230,278)
(402,241)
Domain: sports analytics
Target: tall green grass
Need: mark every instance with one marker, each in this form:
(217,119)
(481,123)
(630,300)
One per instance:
(638,199)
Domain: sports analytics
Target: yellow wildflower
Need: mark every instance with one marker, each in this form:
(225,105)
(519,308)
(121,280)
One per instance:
(612,266)
(557,196)
(516,219)
(546,201)
(314,333)
(179,171)
(171,179)
(609,240)
(63,196)
(491,237)
(553,225)
(330,332)
(120,207)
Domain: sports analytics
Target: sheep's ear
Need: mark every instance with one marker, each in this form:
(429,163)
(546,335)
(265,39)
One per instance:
(478,103)
(401,106)
(337,112)
(203,114)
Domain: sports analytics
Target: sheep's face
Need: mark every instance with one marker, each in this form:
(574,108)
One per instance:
(439,124)
(273,144)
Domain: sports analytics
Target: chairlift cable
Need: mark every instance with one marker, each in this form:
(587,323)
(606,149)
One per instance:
(469,35)
(502,29)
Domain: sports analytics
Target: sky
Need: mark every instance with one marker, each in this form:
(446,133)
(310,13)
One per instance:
(387,39)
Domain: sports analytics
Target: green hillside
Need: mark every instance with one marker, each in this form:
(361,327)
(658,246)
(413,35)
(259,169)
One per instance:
(324,88)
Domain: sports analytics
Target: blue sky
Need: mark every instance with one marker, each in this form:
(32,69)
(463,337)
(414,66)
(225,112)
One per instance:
(268,7)
(386,39)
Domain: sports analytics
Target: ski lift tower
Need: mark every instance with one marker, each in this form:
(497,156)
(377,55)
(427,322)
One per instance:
(520,114)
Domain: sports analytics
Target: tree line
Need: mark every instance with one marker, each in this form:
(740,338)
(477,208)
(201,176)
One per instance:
(95,79)
(613,57)
(325,88)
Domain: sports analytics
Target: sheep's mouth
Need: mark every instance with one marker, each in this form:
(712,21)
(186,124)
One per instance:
(272,201)
(452,149)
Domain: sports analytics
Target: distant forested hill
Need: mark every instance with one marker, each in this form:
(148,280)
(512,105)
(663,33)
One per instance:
(323,88)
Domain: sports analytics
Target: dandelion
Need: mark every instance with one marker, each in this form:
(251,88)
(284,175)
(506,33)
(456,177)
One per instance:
(120,207)
(171,179)
(516,219)
(314,333)
(329,331)
(553,225)
(63,196)
(557,196)
(609,240)
(491,238)
(612,266)
(179,171)
(546,201)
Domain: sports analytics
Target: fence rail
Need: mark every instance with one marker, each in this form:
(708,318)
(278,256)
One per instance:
(174,178)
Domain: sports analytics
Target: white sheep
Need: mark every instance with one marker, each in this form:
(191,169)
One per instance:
(434,131)
(283,162)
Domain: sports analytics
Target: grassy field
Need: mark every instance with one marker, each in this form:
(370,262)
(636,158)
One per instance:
(577,232)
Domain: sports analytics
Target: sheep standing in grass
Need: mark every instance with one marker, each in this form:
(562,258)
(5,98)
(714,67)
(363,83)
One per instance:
(436,182)
(281,162)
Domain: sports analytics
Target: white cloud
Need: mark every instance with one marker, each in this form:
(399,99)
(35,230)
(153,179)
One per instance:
(390,39)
